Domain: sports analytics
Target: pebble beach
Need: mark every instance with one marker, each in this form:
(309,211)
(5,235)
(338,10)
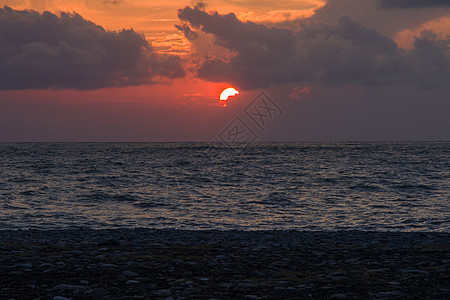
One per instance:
(177,264)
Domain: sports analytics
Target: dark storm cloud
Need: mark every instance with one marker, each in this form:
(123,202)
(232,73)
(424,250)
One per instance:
(345,52)
(430,62)
(370,13)
(413,3)
(49,51)
(261,52)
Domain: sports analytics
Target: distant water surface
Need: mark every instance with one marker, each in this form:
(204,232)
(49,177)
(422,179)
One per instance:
(306,186)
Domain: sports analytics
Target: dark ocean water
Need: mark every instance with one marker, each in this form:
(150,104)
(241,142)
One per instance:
(308,186)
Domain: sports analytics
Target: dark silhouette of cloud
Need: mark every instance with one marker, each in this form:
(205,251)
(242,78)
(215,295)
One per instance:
(413,3)
(40,51)
(430,62)
(343,53)
(188,33)
(387,21)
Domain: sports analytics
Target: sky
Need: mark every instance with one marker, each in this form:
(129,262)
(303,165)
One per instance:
(152,71)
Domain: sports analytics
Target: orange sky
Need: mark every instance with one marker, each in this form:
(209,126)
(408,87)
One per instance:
(194,103)
(156,19)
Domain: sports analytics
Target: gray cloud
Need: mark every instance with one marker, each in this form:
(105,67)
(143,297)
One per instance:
(413,3)
(371,14)
(262,52)
(68,52)
(429,61)
(343,53)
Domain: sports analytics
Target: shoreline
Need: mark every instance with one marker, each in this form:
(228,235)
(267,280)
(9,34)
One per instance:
(186,264)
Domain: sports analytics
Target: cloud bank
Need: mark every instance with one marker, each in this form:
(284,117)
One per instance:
(413,3)
(345,52)
(39,51)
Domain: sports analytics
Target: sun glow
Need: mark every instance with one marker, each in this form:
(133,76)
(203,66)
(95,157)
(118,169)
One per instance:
(229,92)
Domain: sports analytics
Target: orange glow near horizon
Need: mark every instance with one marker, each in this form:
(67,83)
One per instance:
(182,92)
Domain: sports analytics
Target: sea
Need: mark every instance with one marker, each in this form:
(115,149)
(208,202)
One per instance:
(373,186)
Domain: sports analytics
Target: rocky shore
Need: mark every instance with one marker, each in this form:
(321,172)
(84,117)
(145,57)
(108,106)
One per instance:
(176,264)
